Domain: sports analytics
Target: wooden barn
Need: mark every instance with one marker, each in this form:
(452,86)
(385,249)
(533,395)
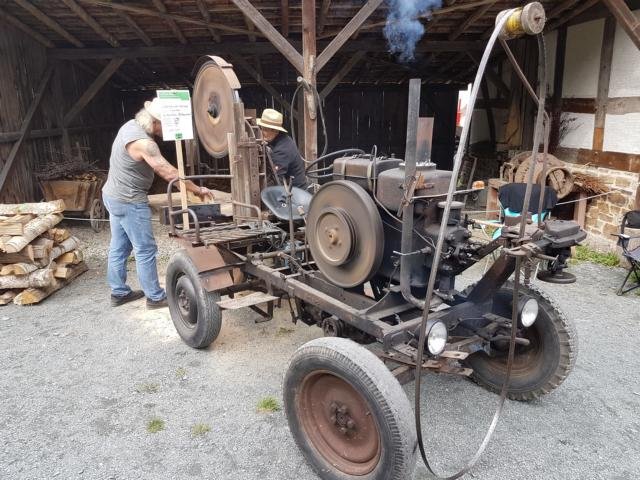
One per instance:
(73,71)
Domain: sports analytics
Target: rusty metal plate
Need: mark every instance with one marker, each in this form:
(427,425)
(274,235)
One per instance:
(215,271)
(215,91)
(246,301)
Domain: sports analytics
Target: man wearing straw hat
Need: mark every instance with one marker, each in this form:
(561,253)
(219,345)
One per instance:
(284,154)
(135,158)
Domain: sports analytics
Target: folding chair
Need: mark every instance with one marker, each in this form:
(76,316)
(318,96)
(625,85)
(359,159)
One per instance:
(631,219)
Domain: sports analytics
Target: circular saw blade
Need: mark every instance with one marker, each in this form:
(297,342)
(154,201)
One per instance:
(214,92)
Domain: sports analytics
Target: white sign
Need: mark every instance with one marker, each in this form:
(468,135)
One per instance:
(176,114)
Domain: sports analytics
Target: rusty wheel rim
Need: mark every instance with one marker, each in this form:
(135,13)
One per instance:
(339,423)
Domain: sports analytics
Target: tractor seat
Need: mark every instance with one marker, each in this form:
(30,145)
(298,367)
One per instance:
(275,198)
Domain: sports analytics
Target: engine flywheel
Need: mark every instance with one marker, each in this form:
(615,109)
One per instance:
(345,233)
(215,90)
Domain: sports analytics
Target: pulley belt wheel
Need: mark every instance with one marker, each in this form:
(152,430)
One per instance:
(345,234)
(214,92)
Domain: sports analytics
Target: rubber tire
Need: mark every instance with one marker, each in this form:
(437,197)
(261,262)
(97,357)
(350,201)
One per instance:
(370,377)
(559,344)
(209,315)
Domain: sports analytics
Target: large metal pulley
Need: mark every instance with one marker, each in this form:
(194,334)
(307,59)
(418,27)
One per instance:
(345,233)
(214,92)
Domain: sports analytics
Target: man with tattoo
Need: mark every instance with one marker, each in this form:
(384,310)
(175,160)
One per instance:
(135,157)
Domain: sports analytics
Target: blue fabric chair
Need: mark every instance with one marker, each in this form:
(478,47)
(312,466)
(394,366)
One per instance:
(511,201)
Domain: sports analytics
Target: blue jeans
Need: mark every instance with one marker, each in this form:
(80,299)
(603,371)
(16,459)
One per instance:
(131,230)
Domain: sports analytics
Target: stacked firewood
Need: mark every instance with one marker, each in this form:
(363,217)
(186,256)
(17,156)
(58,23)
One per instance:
(36,258)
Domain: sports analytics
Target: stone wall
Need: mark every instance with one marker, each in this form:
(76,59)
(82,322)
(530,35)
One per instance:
(605,213)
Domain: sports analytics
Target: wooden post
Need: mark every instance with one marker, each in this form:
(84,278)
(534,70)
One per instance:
(606,56)
(183,188)
(309,75)
(57,89)
(627,19)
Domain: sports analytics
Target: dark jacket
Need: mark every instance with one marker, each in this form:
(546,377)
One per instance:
(287,160)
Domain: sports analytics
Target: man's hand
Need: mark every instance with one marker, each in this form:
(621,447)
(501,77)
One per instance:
(204,193)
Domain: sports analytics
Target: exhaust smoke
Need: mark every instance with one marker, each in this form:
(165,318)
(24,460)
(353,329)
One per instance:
(403,29)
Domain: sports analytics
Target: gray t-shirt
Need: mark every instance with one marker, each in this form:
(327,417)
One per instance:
(129,180)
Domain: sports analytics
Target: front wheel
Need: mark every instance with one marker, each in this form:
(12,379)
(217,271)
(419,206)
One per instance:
(348,414)
(194,311)
(539,367)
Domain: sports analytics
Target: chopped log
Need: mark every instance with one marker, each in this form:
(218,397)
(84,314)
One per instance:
(18,269)
(58,235)
(73,257)
(38,278)
(32,229)
(68,245)
(42,208)
(23,256)
(42,247)
(14,225)
(31,296)
(8,296)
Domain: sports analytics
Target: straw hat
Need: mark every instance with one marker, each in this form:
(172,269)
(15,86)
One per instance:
(271,119)
(153,108)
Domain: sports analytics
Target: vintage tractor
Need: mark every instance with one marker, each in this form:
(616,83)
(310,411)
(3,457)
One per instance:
(372,258)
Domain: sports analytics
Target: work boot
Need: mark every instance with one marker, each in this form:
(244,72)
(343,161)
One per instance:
(153,304)
(116,301)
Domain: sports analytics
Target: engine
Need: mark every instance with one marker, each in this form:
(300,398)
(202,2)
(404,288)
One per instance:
(355,230)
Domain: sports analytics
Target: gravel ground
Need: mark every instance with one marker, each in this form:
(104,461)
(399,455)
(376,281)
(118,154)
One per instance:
(81,381)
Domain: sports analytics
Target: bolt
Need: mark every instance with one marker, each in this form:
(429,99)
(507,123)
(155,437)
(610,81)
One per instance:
(333,407)
(343,409)
(351,424)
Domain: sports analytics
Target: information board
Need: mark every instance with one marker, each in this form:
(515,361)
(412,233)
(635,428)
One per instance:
(176,118)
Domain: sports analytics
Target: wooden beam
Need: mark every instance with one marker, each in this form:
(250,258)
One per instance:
(340,74)
(49,22)
(8,137)
(470,20)
(322,20)
(238,60)
(165,16)
(87,69)
(284,12)
(626,18)
(487,107)
(160,6)
(309,74)
(204,11)
(94,88)
(573,13)
(26,125)
(341,38)
(58,93)
(558,9)
(278,41)
(491,75)
(26,29)
(89,20)
(606,55)
(252,29)
(558,78)
(136,28)
(246,48)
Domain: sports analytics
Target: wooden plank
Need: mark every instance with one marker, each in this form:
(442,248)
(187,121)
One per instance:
(579,105)
(14,225)
(160,6)
(26,125)
(246,48)
(89,20)
(31,296)
(136,28)
(322,19)
(491,74)
(251,27)
(572,13)
(626,18)
(341,38)
(94,88)
(284,13)
(580,209)
(623,105)
(49,22)
(606,55)
(166,16)
(340,74)
(204,11)
(26,29)
(23,256)
(309,74)
(490,120)
(470,20)
(275,37)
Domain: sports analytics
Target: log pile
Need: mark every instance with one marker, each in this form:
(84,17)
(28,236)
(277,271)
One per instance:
(36,257)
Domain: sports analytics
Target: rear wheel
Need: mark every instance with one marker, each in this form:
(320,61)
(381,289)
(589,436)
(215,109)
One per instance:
(539,367)
(348,414)
(194,311)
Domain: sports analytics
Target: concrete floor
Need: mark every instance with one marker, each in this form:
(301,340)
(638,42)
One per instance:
(81,380)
